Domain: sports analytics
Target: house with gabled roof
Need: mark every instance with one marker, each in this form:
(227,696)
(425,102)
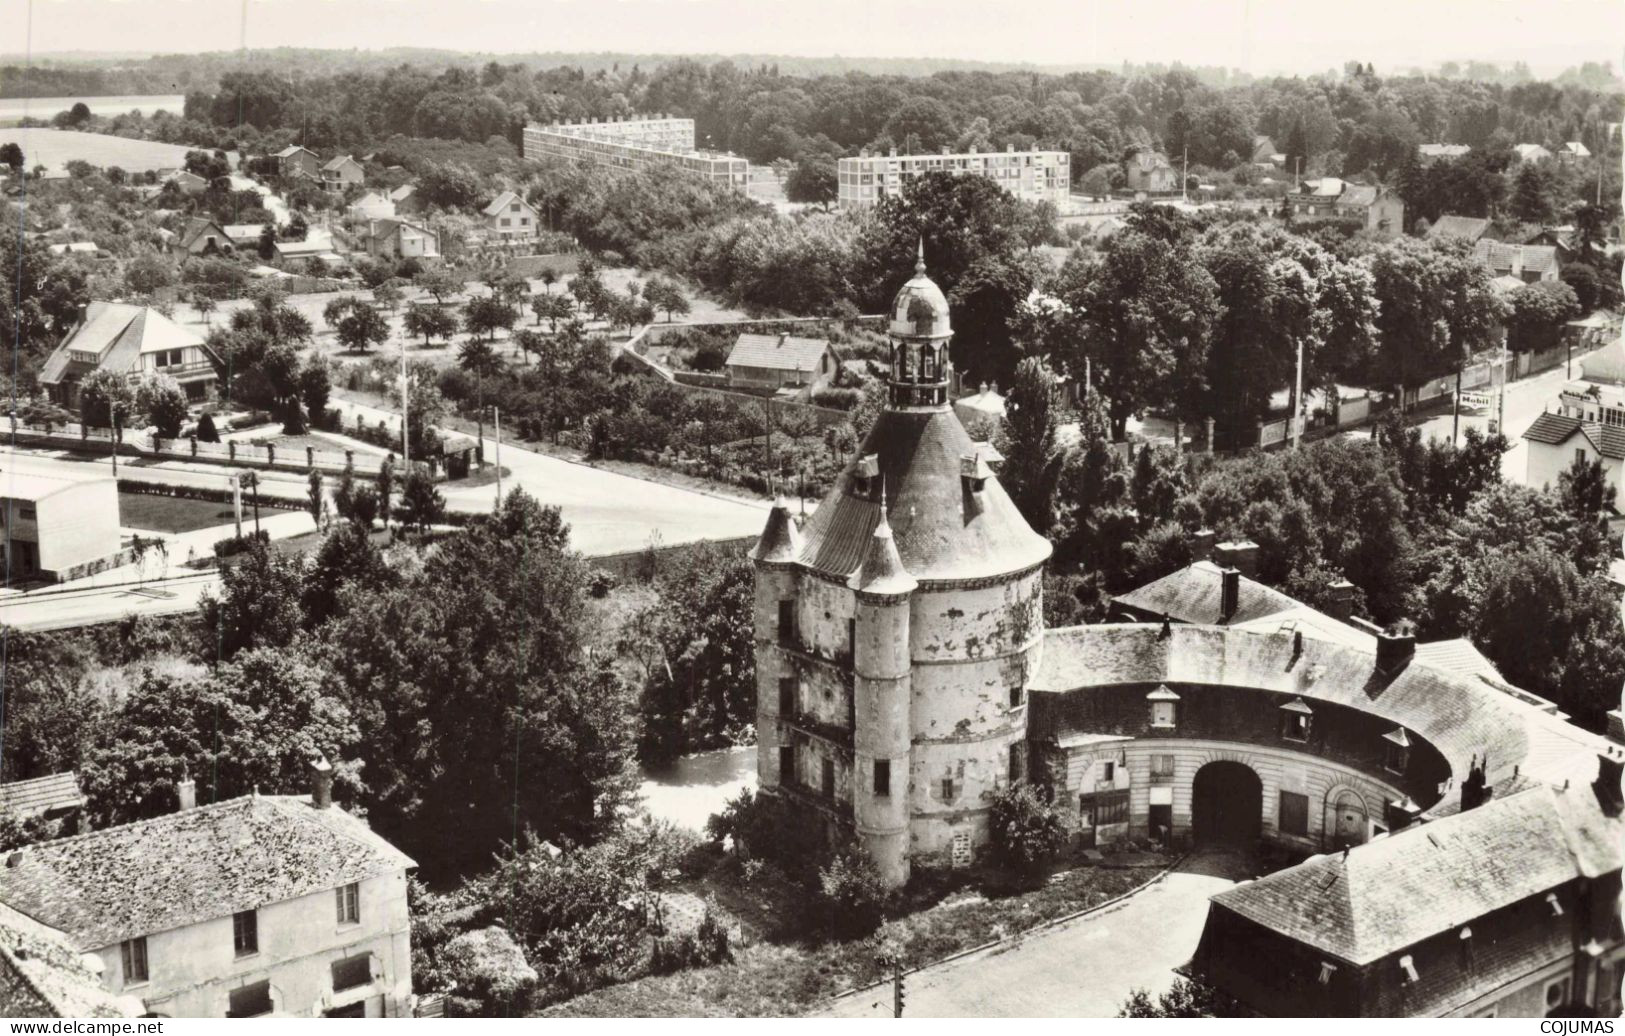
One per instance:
(510,218)
(342,172)
(401,239)
(1149,171)
(780,361)
(261,905)
(131,340)
(187,182)
(372,205)
(43,976)
(1373,207)
(1556,441)
(1429,153)
(1528,263)
(202,236)
(56,796)
(295,161)
(406,199)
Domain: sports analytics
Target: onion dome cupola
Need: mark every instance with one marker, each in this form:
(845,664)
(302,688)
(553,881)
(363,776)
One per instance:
(882,571)
(919,332)
(781,540)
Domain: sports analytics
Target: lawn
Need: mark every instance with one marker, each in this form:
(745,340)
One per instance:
(942,915)
(152,513)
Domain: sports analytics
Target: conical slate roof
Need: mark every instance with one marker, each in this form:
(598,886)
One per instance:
(942,528)
(882,571)
(781,540)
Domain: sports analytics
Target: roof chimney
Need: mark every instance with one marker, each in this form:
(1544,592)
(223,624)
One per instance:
(321,782)
(1238,554)
(1475,789)
(1229,593)
(1202,541)
(1616,726)
(185,794)
(1395,647)
(1610,770)
(1340,600)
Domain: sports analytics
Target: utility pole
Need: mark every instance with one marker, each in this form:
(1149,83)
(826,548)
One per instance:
(112,419)
(1455,409)
(1297,401)
(1185,175)
(1501,404)
(406,399)
(496,412)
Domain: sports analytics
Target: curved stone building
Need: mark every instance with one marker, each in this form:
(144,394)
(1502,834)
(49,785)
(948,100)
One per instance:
(897,631)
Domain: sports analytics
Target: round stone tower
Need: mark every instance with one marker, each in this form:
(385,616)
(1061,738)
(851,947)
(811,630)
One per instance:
(897,629)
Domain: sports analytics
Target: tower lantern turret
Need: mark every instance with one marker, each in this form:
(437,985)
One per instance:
(919,331)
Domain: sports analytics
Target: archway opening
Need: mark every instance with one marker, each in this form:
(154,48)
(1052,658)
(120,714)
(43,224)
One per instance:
(1227,804)
(1350,822)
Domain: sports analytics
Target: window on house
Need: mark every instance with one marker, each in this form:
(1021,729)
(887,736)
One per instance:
(787,696)
(1017,763)
(828,778)
(245,932)
(1396,750)
(250,1001)
(134,954)
(349,903)
(787,621)
(352,972)
(882,777)
(787,764)
(1295,720)
(1109,807)
(1580,456)
(504,221)
(1108,772)
(1294,813)
(1015,696)
(1162,714)
(1162,767)
(852,636)
(947,789)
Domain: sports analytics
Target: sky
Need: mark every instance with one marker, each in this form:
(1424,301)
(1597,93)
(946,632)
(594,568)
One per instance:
(1259,36)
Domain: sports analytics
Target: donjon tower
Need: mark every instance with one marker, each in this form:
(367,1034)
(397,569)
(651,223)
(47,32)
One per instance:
(896,630)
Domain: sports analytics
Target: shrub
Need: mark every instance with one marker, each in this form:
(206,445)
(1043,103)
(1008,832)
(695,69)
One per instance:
(838,398)
(489,972)
(233,545)
(851,895)
(601,583)
(1025,830)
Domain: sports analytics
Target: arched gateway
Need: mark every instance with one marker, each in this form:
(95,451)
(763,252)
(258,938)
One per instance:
(1227,804)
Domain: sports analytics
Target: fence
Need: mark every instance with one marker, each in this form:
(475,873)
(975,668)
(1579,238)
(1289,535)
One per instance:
(293,458)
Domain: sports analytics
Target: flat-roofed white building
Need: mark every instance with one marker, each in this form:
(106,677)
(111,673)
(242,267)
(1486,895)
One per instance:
(57,528)
(635,143)
(1029,175)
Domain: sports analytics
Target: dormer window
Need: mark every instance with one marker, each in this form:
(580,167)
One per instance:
(1396,750)
(974,472)
(864,475)
(1164,705)
(1296,718)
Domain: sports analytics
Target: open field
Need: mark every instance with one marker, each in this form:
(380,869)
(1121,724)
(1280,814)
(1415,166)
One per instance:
(14,108)
(54,148)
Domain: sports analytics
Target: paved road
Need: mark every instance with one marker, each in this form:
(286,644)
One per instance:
(1082,969)
(61,609)
(608,512)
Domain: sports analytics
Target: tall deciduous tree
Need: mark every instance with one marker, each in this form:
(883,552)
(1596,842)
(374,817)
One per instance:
(1032,463)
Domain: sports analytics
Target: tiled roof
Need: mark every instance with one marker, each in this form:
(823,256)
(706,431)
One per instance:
(1502,257)
(338,163)
(1468,227)
(1456,656)
(294,149)
(500,203)
(1358,195)
(191,866)
(1442,150)
(40,794)
(1394,892)
(402,192)
(1555,429)
(1459,716)
(778,352)
(42,975)
(1192,594)
(117,333)
(196,227)
(942,531)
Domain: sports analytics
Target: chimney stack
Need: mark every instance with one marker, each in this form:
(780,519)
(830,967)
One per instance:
(1610,771)
(1616,726)
(1395,647)
(1202,541)
(1238,554)
(186,794)
(1340,600)
(1475,789)
(321,782)
(1229,594)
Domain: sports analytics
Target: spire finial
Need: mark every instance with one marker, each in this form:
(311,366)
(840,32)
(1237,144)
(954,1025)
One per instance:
(882,497)
(919,257)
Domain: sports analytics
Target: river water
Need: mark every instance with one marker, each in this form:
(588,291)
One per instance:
(14,108)
(696,786)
